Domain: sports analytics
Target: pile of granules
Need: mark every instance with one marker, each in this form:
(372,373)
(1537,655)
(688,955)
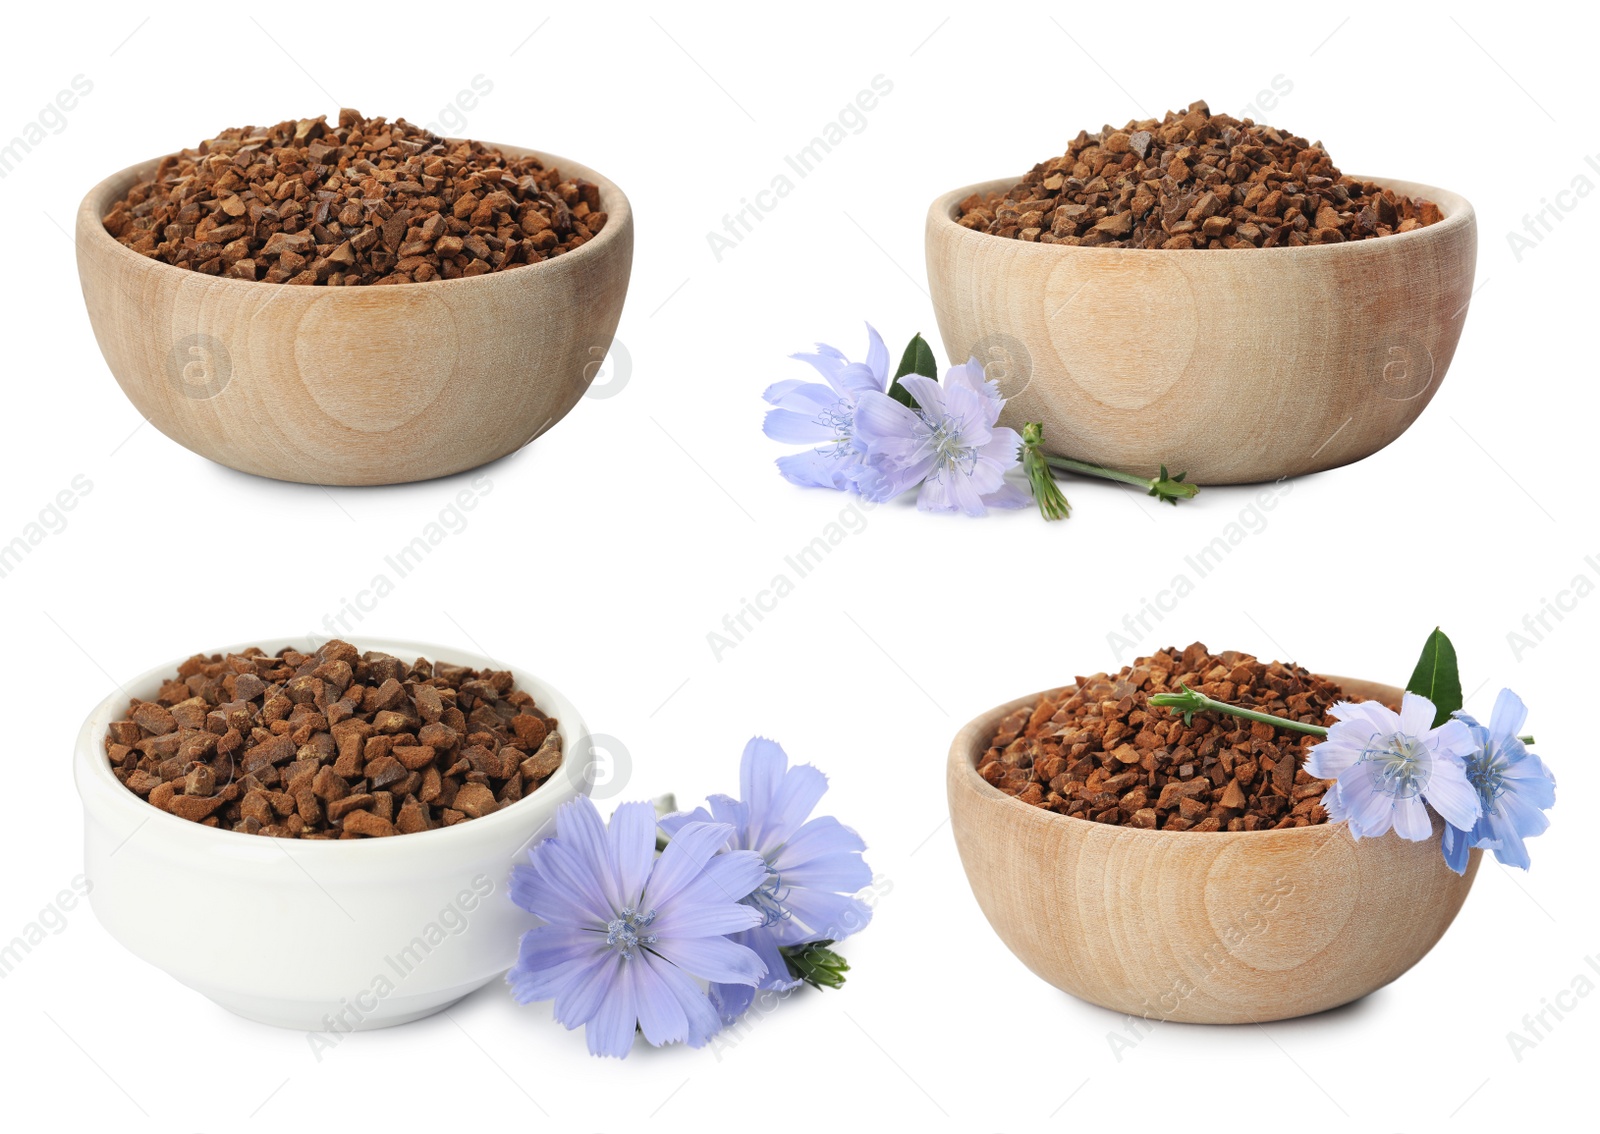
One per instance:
(1193,180)
(365,202)
(1098,751)
(332,745)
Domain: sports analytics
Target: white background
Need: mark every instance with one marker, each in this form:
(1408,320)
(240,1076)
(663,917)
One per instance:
(607,551)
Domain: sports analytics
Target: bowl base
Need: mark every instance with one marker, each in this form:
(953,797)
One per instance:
(362,1014)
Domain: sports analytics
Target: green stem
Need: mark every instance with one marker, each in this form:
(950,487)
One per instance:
(1087,469)
(1189,702)
(1162,487)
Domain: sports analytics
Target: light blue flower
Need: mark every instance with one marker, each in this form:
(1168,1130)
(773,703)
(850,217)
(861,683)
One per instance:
(823,416)
(1390,767)
(813,865)
(950,445)
(1514,789)
(628,936)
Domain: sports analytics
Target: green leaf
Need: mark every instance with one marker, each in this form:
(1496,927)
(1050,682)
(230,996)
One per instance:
(816,964)
(1437,677)
(918,359)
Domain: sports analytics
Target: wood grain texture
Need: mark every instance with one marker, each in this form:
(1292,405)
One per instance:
(355,385)
(1234,366)
(1213,928)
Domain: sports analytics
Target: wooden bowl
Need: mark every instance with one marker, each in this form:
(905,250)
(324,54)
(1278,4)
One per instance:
(354,385)
(1233,366)
(1210,928)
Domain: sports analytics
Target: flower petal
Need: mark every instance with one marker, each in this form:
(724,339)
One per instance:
(827,362)
(928,393)
(1374,714)
(671,824)
(1009,495)
(547,947)
(950,491)
(780,798)
(877,357)
(796,428)
(610,1030)
(582,835)
(1530,781)
(552,888)
(816,915)
(1451,795)
(712,958)
(661,1016)
(1508,716)
(633,848)
(732,1000)
(697,1007)
(1411,819)
(879,416)
(728,878)
(817,468)
(686,855)
(1336,753)
(1416,715)
(843,873)
(682,920)
(857,379)
(809,398)
(586,988)
(1369,812)
(821,835)
(547,959)
(1457,848)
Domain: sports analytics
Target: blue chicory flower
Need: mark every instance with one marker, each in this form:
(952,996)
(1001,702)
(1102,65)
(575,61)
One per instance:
(628,936)
(950,445)
(1391,767)
(813,865)
(1514,789)
(823,415)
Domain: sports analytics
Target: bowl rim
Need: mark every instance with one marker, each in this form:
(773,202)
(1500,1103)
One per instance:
(101,792)
(964,752)
(619,218)
(1458,213)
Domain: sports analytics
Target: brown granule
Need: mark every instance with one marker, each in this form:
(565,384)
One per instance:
(365,202)
(1098,751)
(334,744)
(1194,180)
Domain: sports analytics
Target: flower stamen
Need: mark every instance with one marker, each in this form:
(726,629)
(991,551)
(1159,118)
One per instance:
(1399,765)
(624,931)
(769,898)
(944,438)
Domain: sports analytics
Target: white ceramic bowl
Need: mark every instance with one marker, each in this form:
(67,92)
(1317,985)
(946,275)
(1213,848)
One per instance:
(334,935)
